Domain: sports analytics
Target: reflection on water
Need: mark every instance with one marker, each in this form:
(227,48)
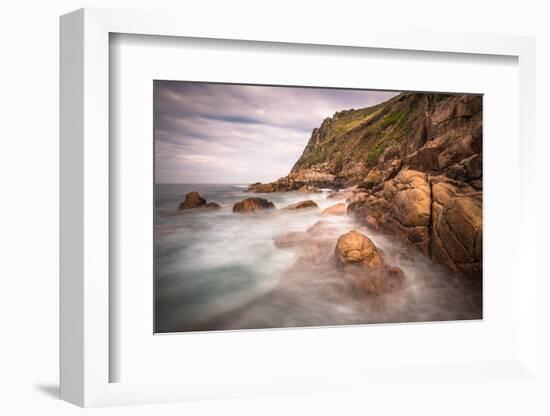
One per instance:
(219,270)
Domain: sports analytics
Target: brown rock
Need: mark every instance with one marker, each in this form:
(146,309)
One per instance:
(302,205)
(338,195)
(338,209)
(192,200)
(372,222)
(252,204)
(357,196)
(308,189)
(402,208)
(457,226)
(373,178)
(261,188)
(412,199)
(356,248)
(370,276)
(466,170)
(212,205)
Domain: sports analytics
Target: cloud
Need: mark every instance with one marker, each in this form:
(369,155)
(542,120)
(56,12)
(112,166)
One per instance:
(224,133)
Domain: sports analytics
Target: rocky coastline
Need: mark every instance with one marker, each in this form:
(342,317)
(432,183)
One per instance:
(410,168)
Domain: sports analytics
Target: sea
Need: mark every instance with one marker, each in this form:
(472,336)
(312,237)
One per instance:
(217,270)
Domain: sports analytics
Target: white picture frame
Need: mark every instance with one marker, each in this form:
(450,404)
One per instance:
(85,218)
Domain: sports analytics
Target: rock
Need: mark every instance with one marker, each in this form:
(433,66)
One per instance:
(192,200)
(370,284)
(373,178)
(357,196)
(302,180)
(291,239)
(302,205)
(338,209)
(439,216)
(356,248)
(402,209)
(392,171)
(261,188)
(338,195)
(212,205)
(468,106)
(252,204)
(317,251)
(395,278)
(372,222)
(358,255)
(322,228)
(388,280)
(457,227)
(412,199)
(466,170)
(308,189)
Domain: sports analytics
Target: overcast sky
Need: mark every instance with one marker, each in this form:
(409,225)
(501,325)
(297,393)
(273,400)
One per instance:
(221,133)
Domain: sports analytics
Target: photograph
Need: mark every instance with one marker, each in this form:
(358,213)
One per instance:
(292,207)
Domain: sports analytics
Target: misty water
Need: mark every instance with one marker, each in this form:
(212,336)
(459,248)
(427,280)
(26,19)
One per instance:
(216,270)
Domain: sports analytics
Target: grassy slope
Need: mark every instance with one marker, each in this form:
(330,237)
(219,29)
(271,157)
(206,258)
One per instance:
(363,135)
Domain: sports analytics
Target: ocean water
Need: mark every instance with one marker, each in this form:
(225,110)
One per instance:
(216,270)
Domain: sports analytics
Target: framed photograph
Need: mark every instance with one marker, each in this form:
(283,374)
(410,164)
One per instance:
(371,210)
(268,214)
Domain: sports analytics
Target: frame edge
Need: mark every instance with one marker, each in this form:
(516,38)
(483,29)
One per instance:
(71,202)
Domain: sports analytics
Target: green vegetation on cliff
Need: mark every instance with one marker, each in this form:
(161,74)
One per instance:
(361,136)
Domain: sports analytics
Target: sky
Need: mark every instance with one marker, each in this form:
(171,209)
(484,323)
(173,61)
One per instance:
(240,134)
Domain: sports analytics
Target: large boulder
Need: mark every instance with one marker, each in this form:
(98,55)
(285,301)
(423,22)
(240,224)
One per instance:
(402,208)
(439,216)
(457,226)
(356,248)
(338,209)
(252,204)
(411,196)
(302,205)
(364,264)
(192,200)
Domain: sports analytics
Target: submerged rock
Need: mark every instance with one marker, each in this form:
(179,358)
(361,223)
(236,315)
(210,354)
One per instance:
(291,239)
(302,205)
(212,205)
(338,209)
(252,204)
(322,228)
(192,200)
